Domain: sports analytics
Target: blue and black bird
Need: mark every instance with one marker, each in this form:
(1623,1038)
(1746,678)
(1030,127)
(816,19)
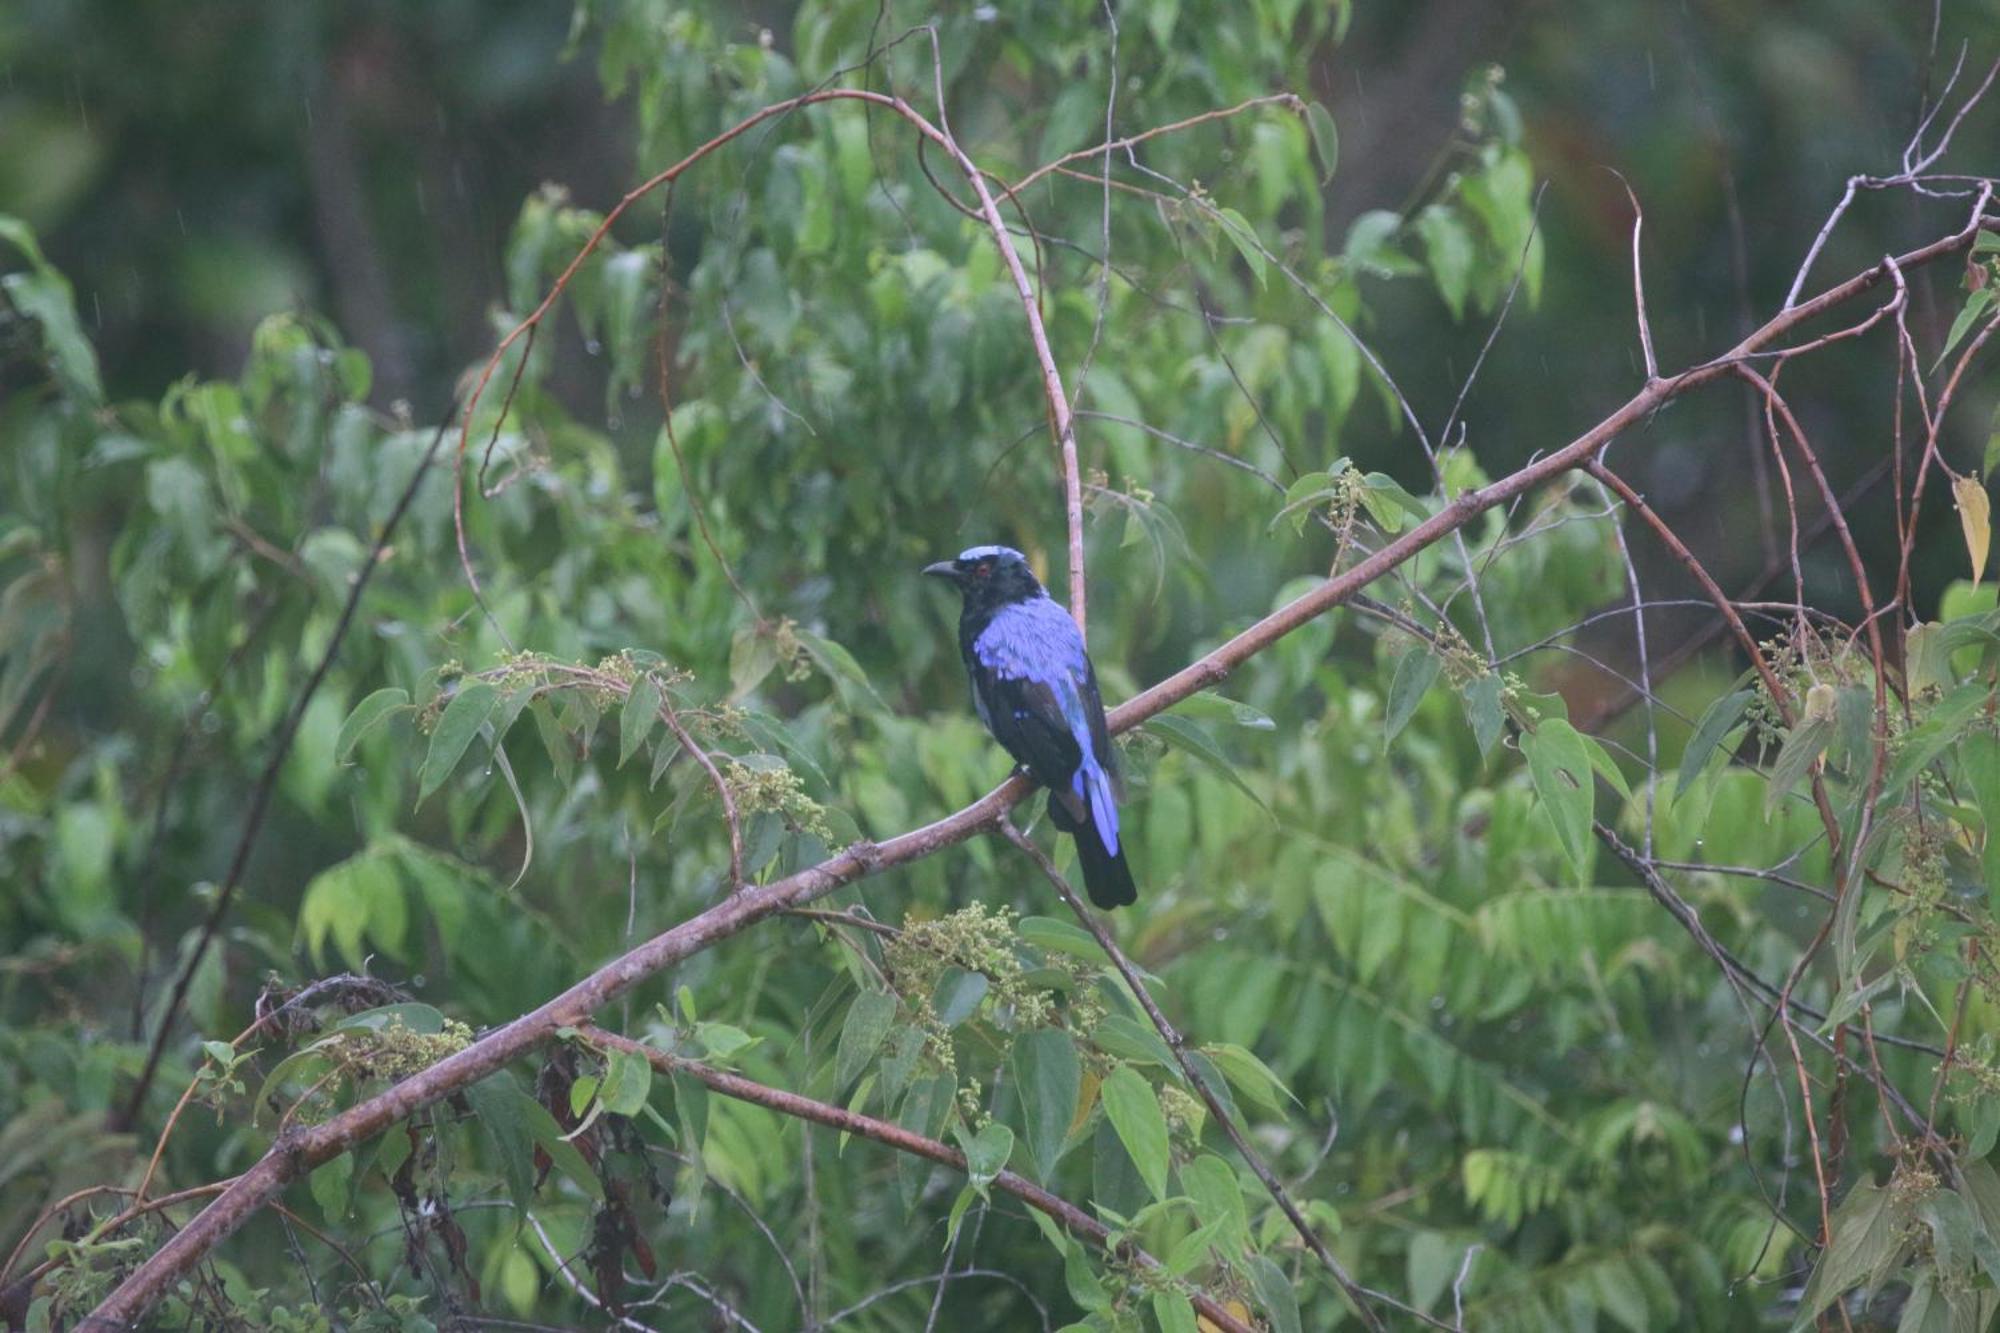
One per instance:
(1036,691)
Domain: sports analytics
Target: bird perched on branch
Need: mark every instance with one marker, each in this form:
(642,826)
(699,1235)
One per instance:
(1036,691)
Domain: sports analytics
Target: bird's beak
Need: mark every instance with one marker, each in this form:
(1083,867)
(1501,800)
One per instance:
(943,569)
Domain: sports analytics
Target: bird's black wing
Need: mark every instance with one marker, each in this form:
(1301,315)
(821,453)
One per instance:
(1027,718)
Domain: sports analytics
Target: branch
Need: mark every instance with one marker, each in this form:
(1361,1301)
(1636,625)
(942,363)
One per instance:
(298,1152)
(1072,1219)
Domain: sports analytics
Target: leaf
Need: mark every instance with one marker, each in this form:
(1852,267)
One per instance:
(838,665)
(1483,712)
(463,717)
(1975,517)
(1808,739)
(1210,706)
(1449,250)
(495,1102)
(1191,739)
(752,656)
(1134,1110)
(925,1111)
(332,1186)
(1867,1241)
(867,1023)
(1274,1292)
(1129,1039)
(366,714)
(628,1081)
(639,715)
(1715,723)
(1429,1264)
(1244,237)
(1053,935)
(1975,306)
(548,1136)
(958,995)
(1249,1075)
(986,1153)
(1174,1313)
(1047,1079)
(1559,764)
(562,754)
(1416,670)
(1325,139)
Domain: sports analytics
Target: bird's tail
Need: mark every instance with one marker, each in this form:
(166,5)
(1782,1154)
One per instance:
(1106,875)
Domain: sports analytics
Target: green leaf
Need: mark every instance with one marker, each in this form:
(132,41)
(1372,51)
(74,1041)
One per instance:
(868,1020)
(1206,705)
(1429,1266)
(1134,1110)
(1868,1239)
(1976,305)
(1212,1184)
(638,717)
(1244,237)
(1559,764)
(1925,743)
(463,717)
(548,1136)
(366,714)
(1047,1079)
(691,1109)
(628,1081)
(1191,739)
(1054,935)
(926,1111)
(986,1153)
(1979,759)
(958,995)
(1416,670)
(1325,139)
(1483,711)
(1174,1313)
(1249,1075)
(752,656)
(1449,250)
(838,665)
(1275,1294)
(1129,1039)
(495,1102)
(332,1186)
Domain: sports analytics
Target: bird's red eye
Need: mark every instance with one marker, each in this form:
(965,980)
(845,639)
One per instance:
(983,568)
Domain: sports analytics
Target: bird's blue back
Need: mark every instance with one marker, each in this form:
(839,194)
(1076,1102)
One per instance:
(1035,642)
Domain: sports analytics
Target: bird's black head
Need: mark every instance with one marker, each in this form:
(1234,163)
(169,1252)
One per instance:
(989,576)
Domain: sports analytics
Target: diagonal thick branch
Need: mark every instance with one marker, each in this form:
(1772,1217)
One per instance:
(298,1151)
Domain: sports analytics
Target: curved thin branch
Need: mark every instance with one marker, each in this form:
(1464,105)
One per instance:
(1070,1217)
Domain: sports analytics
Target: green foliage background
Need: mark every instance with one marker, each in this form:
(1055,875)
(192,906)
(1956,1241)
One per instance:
(1510,1089)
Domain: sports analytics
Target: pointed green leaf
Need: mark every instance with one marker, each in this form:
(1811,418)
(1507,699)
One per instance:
(1559,764)
(1716,722)
(638,717)
(1134,1109)
(462,718)
(1416,670)
(366,714)
(1047,1078)
(868,1020)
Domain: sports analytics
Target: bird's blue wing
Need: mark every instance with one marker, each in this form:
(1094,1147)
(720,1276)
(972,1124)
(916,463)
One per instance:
(1036,690)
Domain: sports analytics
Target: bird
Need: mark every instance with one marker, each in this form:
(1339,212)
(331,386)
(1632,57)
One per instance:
(1036,691)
